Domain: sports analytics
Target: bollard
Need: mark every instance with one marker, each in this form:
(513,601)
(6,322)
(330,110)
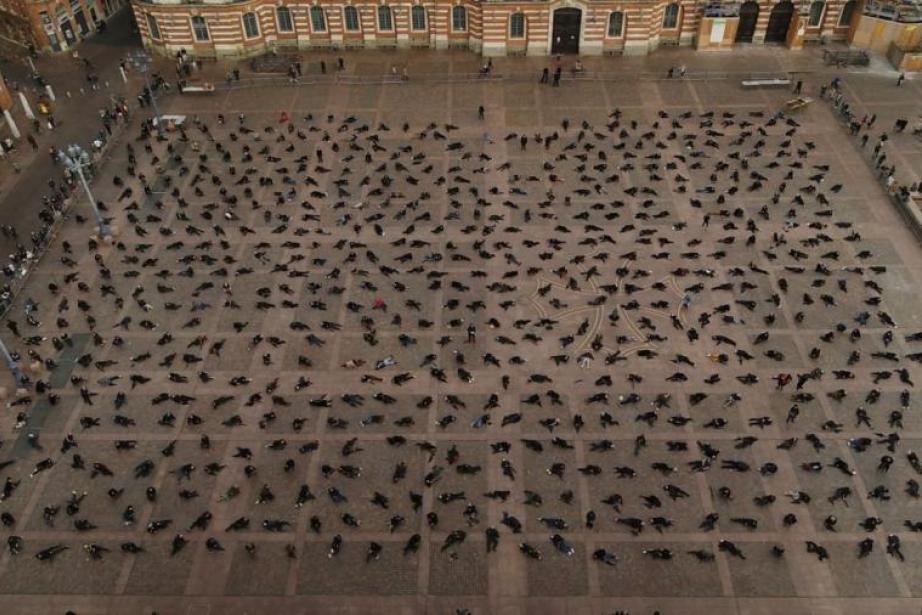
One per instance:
(26,107)
(13,127)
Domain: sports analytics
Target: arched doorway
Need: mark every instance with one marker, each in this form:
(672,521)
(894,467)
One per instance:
(749,16)
(778,22)
(565,33)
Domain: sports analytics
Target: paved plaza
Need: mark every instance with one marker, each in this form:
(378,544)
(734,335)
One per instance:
(396,322)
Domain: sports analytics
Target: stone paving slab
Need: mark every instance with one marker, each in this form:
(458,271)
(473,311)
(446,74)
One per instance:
(306,230)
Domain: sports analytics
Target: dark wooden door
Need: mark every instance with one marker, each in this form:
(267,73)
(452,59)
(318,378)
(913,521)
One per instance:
(749,16)
(778,22)
(565,37)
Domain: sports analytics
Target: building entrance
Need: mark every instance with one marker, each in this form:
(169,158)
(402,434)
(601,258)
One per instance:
(778,23)
(565,35)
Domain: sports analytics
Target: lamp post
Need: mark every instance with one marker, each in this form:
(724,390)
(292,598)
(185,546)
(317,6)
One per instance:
(75,159)
(142,62)
(12,364)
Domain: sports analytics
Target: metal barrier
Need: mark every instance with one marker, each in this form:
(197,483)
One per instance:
(519,77)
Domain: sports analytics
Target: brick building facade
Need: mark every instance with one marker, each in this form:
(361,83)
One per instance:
(52,25)
(492,27)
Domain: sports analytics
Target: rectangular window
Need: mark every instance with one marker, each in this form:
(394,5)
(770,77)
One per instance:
(517,26)
(459,19)
(845,17)
(284,18)
(250,26)
(616,24)
(385,21)
(318,20)
(418,15)
(152,27)
(671,17)
(816,14)
(200,28)
(351,17)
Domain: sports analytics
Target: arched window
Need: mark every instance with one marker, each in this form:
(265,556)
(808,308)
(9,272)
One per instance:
(816,13)
(458,19)
(517,25)
(200,28)
(250,25)
(283,19)
(385,18)
(152,27)
(418,18)
(318,20)
(616,24)
(671,17)
(351,19)
(845,17)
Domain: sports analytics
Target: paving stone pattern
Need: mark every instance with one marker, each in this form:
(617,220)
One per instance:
(258,261)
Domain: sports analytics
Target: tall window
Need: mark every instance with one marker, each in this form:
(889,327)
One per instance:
(152,27)
(458,19)
(351,18)
(816,13)
(616,24)
(845,17)
(385,18)
(418,18)
(517,25)
(250,25)
(671,17)
(199,28)
(283,17)
(318,19)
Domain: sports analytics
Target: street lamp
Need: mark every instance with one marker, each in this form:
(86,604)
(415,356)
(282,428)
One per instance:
(142,62)
(13,365)
(75,159)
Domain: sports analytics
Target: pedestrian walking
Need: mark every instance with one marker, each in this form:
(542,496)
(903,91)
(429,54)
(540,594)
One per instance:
(798,87)
(480,112)
(900,79)
(557,72)
(32,141)
(545,74)
(323,67)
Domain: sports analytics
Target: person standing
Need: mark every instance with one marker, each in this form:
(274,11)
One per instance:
(557,72)
(799,87)
(900,79)
(480,112)
(545,73)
